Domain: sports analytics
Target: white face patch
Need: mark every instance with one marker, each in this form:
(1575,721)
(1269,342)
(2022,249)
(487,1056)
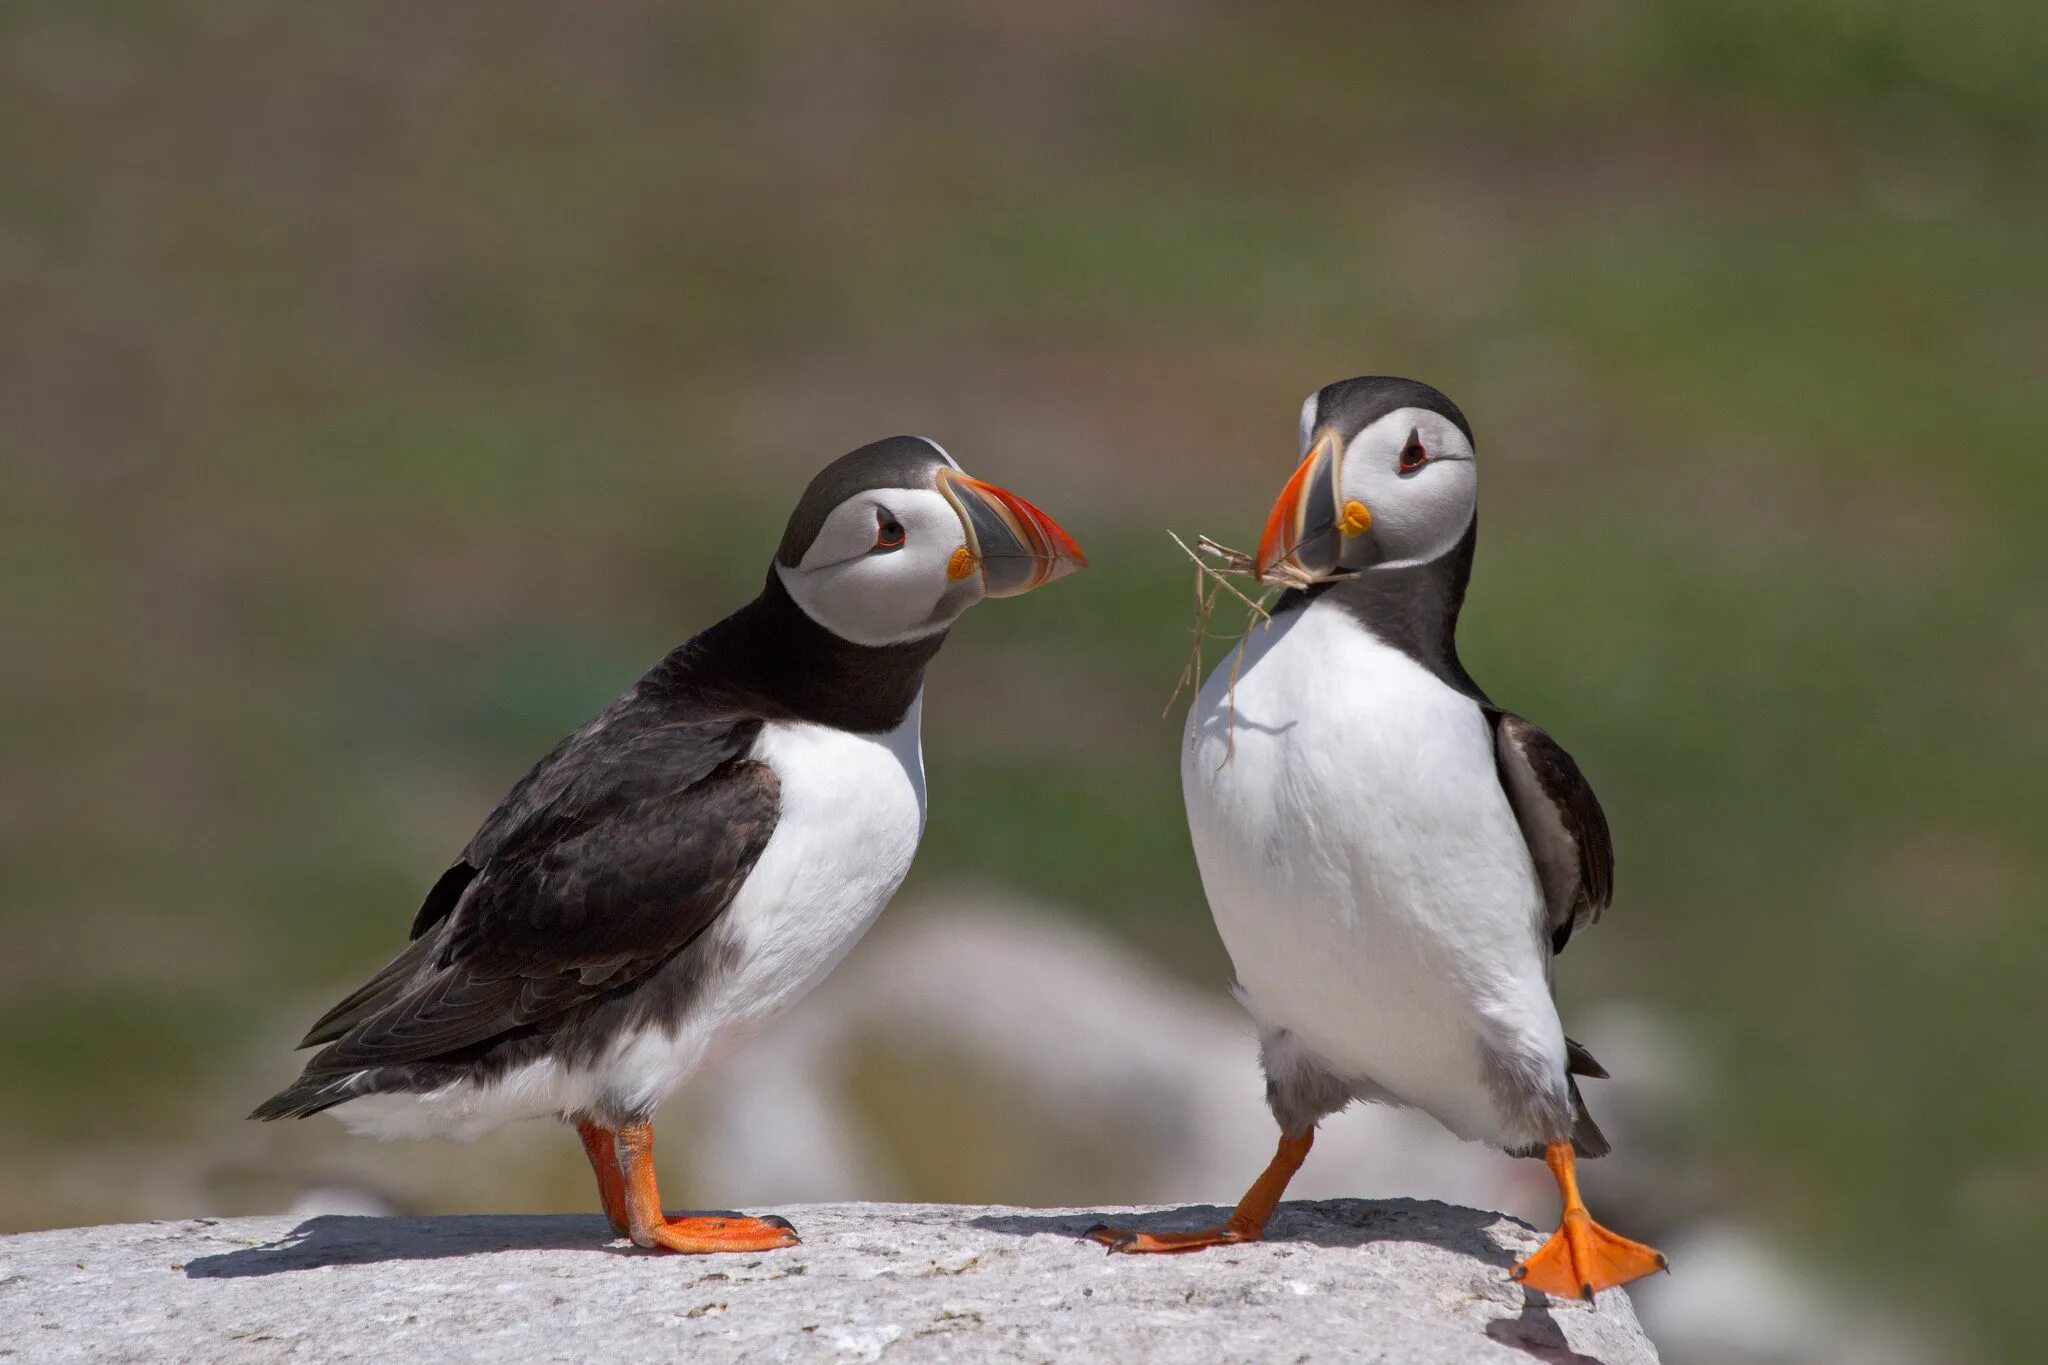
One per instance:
(859,588)
(1417,514)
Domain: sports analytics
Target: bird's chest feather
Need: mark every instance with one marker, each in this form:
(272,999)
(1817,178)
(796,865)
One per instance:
(852,812)
(1335,758)
(1355,844)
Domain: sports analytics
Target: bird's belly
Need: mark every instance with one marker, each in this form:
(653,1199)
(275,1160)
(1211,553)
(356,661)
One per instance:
(1364,867)
(852,812)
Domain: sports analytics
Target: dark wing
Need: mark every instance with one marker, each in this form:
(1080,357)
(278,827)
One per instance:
(616,851)
(366,998)
(1562,821)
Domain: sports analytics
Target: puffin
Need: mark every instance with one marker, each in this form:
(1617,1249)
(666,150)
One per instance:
(680,870)
(1393,860)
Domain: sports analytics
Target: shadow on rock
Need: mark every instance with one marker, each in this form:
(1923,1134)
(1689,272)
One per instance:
(1324,1222)
(346,1239)
(1537,1333)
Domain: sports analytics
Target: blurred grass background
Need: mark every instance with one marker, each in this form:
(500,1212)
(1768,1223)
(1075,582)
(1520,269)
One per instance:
(382,387)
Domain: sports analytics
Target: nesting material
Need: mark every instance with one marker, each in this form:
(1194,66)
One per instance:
(1218,570)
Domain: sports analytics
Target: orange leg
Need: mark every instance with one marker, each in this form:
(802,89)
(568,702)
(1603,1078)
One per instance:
(1247,1223)
(599,1146)
(649,1227)
(1582,1257)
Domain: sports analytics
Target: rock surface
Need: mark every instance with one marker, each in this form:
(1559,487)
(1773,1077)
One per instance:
(1394,1281)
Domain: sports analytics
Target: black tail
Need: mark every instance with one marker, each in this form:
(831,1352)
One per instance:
(366,999)
(323,1088)
(1587,1139)
(310,1094)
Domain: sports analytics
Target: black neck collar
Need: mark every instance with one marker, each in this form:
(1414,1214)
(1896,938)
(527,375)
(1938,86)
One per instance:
(1413,608)
(770,660)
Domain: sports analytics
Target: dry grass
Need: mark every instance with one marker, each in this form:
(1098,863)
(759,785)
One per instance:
(1216,566)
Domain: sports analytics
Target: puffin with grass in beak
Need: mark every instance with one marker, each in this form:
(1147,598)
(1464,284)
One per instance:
(683,868)
(1393,860)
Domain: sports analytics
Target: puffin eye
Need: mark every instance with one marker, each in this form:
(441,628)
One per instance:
(1413,456)
(888,533)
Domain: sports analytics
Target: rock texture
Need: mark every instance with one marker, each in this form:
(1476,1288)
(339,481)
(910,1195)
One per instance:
(1394,1281)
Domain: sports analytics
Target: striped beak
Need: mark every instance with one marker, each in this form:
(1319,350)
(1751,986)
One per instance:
(1014,546)
(1305,532)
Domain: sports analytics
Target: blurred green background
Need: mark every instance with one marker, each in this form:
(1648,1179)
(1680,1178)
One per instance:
(382,387)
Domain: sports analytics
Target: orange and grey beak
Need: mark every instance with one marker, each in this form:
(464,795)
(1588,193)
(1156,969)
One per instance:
(1013,545)
(1309,523)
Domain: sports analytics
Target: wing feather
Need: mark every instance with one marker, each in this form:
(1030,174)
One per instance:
(1562,821)
(613,853)
(557,925)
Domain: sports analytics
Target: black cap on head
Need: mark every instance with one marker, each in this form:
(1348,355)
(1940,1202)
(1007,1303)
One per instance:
(1352,405)
(892,462)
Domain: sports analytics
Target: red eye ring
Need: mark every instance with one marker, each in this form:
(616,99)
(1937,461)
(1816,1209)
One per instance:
(889,534)
(1413,456)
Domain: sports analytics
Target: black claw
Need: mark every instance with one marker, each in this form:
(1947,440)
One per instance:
(777,1221)
(1110,1244)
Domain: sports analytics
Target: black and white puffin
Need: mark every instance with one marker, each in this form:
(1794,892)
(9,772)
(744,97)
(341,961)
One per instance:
(1393,860)
(680,870)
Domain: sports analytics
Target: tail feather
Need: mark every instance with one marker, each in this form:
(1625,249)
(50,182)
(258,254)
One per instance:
(1579,1062)
(320,1088)
(1587,1139)
(311,1094)
(366,999)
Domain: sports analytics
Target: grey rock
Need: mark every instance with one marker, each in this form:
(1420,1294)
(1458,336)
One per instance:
(1393,1281)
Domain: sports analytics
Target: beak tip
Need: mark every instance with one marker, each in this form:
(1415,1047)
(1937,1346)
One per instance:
(1024,533)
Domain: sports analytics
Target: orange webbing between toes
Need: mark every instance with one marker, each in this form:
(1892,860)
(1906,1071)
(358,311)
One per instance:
(1582,1258)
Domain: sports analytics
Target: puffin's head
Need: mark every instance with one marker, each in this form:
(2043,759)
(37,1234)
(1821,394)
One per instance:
(1386,478)
(893,541)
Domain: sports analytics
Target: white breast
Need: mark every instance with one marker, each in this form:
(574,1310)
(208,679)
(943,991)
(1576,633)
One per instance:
(1363,865)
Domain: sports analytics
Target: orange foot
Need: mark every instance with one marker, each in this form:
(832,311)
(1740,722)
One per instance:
(1158,1243)
(696,1236)
(1582,1258)
(1246,1224)
(634,1203)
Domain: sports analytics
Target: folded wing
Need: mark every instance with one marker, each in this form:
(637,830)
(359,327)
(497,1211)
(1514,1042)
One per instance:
(617,851)
(1562,821)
